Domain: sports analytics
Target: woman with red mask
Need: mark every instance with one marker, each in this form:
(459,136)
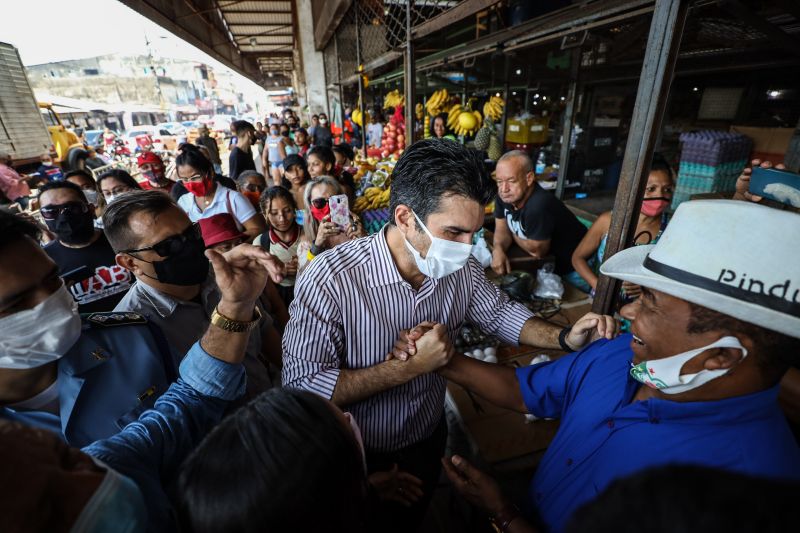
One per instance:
(252,184)
(588,256)
(206,197)
(320,233)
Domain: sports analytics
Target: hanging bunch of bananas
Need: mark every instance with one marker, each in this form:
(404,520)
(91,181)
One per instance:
(452,115)
(419,110)
(437,101)
(494,108)
(356,116)
(394,99)
(373,198)
(468,122)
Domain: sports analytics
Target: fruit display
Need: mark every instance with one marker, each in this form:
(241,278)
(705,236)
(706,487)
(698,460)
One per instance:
(356,117)
(437,102)
(493,108)
(419,111)
(373,198)
(427,127)
(467,122)
(394,99)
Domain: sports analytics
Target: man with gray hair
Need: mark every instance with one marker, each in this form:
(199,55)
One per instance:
(531,217)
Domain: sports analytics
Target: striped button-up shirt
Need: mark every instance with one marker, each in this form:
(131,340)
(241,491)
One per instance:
(350,305)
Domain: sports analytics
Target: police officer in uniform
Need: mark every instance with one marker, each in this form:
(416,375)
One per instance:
(88,375)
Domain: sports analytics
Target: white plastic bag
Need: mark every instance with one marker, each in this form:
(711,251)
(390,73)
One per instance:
(548,285)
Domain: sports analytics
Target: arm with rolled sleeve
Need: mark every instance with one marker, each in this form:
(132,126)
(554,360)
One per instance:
(313,338)
(150,450)
(492,310)
(544,386)
(164,435)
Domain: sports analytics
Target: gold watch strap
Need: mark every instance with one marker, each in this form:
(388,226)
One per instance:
(235,326)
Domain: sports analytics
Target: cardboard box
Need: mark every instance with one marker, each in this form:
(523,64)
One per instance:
(768,143)
(531,130)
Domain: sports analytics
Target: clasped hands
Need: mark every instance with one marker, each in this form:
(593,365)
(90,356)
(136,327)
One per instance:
(428,347)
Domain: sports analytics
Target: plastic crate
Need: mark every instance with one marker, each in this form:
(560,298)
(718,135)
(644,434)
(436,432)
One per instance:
(375,219)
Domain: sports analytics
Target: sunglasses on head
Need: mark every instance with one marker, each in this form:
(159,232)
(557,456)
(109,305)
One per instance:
(172,244)
(319,203)
(51,212)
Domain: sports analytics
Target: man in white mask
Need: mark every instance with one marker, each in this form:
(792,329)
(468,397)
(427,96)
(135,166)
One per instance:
(354,300)
(696,381)
(86,380)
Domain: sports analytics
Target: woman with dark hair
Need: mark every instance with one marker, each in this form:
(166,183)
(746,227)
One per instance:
(322,162)
(283,236)
(439,128)
(344,155)
(206,197)
(652,220)
(288,461)
(115,182)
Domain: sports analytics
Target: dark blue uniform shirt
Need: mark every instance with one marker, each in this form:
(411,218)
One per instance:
(603,436)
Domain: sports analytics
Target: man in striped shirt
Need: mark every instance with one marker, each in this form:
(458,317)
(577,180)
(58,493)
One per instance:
(353,301)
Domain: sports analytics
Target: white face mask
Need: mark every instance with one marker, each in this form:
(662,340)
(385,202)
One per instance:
(665,374)
(112,198)
(91,196)
(38,336)
(443,258)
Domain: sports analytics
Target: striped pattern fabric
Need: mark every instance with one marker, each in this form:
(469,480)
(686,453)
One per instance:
(351,303)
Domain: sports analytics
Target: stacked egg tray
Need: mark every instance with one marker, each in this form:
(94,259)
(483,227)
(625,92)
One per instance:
(711,162)
(472,342)
(375,219)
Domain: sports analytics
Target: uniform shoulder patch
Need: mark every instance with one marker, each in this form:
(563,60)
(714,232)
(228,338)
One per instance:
(114,318)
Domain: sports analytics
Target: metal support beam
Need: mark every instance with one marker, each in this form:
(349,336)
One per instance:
(506,94)
(568,120)
(410,77)
(663,43)
(363,128)
(771,31)
(462,10)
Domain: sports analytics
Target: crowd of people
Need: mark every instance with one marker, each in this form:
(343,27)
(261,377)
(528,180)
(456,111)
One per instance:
(199,352)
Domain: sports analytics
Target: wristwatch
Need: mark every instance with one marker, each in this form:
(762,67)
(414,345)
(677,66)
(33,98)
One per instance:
(235,326)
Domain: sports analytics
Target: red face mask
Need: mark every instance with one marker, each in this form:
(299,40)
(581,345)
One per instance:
(253,196)
(199,188)
(652,207)
(319,214)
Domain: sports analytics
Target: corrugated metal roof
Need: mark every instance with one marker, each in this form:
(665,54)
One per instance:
(258,18)
(264,29)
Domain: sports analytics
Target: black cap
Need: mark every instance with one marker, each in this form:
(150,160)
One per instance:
(292,160)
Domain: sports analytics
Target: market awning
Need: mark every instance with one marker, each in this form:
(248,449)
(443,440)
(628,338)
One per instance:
(253,37)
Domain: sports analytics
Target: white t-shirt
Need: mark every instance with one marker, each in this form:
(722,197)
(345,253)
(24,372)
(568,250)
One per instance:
(375,132)
(240,207)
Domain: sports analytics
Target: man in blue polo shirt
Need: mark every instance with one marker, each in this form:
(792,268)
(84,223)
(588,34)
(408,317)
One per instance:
(716,328)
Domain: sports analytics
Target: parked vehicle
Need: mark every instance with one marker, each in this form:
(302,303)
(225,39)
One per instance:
(93,137)
(175,128)
(161,138)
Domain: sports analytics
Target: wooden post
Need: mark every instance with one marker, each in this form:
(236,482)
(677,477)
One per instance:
(410,77)
(663,43)
(363,127)
(567,122)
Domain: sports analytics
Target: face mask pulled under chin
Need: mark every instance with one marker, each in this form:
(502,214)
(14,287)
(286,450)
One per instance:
(116,502)
(40,335)
(665,374)
(443,258)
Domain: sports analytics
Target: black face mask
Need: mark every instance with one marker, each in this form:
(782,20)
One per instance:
(186,266)
(72,228)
